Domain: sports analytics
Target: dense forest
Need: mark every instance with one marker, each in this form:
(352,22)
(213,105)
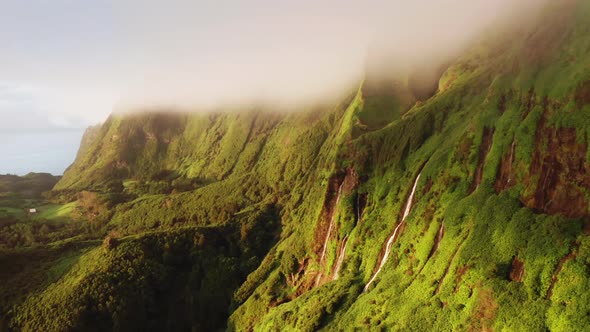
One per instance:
(400,207)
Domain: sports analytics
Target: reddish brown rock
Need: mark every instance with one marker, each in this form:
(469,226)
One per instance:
(572,255)
(559,174)
(517,271)
(484,149)
(582,95)
(505,177)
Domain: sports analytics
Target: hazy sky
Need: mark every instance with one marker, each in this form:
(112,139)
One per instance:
(68,63)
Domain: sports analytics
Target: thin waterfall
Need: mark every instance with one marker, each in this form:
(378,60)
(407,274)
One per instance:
(393,237)
(439,236)
(358,208)
(512,147)
(340,258)
(332,219)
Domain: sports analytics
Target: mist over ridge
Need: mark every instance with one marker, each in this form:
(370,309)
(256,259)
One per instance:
(271,166)
(319,53)
(133,55)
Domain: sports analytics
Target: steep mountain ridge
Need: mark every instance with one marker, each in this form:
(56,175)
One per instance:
(495,238)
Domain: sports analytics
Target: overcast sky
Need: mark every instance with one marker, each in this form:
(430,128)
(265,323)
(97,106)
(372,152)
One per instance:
(69,63)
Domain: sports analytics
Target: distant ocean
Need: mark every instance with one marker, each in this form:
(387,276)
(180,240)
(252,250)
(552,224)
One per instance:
(48,150)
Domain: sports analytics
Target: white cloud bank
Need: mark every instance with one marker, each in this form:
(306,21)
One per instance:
(82,59)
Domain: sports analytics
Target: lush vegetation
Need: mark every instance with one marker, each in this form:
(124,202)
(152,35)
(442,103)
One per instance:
(221,221)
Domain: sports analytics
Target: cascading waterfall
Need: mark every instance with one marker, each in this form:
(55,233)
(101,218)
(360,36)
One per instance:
(340,259)
(512,149)
(393,237)
(358,208)
(332,219)
(342,252)
(439,236)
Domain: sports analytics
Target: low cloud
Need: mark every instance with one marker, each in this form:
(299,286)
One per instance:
(196,55)
(26,108)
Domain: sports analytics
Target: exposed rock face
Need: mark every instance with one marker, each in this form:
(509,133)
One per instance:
(427,186)
(340,184)
(582,95)
(345,181)
(448,268)
(360,205)
(571,255)
(484,149)
(506,177)
(351,180)
(340,258)
(485,311)
(558,173)
(517,270)
(110,243)
(327,212)
(439,236)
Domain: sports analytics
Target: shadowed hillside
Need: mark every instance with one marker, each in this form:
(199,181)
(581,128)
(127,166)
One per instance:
(462,205)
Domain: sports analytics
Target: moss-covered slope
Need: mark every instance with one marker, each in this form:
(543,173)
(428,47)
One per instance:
(496,233)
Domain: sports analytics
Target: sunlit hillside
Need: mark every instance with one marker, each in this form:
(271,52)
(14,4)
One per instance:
(401,207)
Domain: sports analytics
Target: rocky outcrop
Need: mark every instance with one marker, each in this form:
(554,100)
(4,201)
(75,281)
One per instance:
(559,173)
(484,149)
(340,184)
(448,268)
(571,255)
(582,94)
(340,258)
(439,236)
(360,205)
(505,177)
(326,226)
(517,270)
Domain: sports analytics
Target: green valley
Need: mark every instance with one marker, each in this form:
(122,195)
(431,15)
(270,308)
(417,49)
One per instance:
(393,209)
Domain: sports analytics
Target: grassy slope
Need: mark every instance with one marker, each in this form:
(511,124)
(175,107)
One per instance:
(254,161)
(54,211)
(176,279)
(483,231)
(19,228)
